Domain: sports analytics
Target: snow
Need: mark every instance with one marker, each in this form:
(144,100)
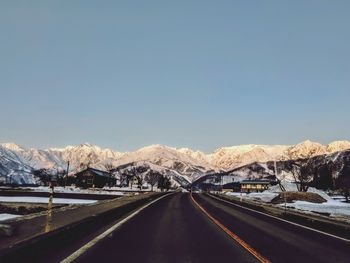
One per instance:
(5,216)
(289,186)
(262,197)
(76,190)
(129,189)
(43,200)
(332,207)
(292,187)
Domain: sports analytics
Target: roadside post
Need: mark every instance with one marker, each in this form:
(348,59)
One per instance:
(49,205)
(285,201)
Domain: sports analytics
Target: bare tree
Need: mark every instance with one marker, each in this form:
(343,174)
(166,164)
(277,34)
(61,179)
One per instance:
(340,182)
(84,165)
(336,168)
(140,176)
(109,168)
(279,173)
(130,175)
(152,178)
(302,174)
(343,184)
(282,178)
(164,183)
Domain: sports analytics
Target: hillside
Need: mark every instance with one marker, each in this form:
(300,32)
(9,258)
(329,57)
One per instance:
(17,163)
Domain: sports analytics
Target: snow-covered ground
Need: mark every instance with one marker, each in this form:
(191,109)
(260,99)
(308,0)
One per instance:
(76,190)
(129,189)
(333,206)
(43,200)
(5,216)
(263,197)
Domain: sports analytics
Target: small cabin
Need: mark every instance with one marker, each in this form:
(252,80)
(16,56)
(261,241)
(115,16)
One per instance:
(248,186)
(91,178)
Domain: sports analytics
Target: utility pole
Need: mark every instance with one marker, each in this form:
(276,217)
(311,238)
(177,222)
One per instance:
(241,197)
(275,164)
(65,180)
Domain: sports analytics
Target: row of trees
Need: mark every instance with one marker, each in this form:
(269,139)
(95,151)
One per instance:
(128,176)
(143,175)
(329,175)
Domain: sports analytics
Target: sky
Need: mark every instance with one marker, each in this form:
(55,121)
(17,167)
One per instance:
(198,74)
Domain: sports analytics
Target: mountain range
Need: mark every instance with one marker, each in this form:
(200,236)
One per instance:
(20,162)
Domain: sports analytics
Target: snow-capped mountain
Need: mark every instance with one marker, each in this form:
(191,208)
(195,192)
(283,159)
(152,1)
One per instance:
(83,155)
(174,162)
(326,171)
(190,164)
(184,162)
(228,158)
(12,169)
(144,167)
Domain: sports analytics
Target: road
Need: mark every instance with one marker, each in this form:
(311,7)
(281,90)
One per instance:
(174,229)
(171,230)
(276,240)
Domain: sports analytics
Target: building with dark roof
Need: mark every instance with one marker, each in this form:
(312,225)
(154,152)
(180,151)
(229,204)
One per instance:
(91,177)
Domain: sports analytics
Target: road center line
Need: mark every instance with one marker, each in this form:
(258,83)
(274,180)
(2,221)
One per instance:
(93,242)
(283,220)
(247,247)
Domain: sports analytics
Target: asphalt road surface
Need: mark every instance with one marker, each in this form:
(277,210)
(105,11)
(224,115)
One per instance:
(170,230)
(276,240)
(175,230)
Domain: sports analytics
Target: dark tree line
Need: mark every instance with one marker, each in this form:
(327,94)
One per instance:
(164,183)
(326,174)
(48,176)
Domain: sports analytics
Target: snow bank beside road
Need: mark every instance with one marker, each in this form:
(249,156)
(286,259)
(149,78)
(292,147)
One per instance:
(331,207)
(6,216)
(263,197)
(75,190)
(43,200)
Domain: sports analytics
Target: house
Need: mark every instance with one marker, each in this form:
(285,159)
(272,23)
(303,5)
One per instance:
(91,177)
(231,187)
(248,186)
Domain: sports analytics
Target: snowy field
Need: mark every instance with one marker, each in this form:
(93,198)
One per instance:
(333,205)
(118,191)
(5,216)
(76,190)
(43,200)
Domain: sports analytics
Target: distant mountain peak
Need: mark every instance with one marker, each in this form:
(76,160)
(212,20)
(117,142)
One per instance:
(12,146)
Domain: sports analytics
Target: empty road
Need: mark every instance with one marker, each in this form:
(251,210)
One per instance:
(174,229)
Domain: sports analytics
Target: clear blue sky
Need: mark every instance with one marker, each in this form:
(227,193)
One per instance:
(201,74)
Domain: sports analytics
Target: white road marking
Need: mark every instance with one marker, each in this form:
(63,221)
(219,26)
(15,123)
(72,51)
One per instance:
(93,242)
(283,220)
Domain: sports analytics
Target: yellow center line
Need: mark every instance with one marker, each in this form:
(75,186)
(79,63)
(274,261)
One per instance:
(247,247)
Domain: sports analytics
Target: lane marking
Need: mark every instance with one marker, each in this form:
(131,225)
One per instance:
(283,220)
(93,242)
(247,247)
